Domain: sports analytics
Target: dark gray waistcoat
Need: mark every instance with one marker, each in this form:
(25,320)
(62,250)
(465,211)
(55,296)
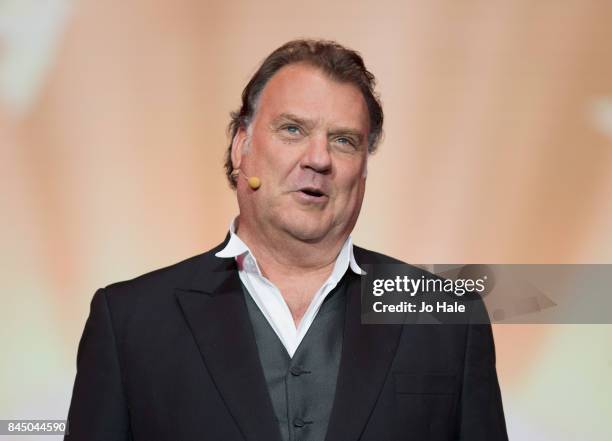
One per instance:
(302,388)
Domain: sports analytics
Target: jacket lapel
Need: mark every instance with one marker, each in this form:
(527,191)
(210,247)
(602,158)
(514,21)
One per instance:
(214,307)
(367,353)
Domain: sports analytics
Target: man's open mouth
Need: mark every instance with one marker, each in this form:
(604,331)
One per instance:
(312,192)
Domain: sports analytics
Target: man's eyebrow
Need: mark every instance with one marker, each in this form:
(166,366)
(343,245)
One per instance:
(290,117)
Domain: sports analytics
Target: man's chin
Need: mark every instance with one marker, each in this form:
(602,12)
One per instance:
(307,232)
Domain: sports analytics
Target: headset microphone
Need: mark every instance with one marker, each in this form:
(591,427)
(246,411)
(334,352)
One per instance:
(254,181)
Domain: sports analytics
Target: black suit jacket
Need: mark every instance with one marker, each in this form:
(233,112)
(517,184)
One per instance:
(171,356)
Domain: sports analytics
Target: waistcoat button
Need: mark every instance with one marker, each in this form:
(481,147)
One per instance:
(296,371)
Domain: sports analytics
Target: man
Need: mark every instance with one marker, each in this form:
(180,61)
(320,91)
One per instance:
(260,338)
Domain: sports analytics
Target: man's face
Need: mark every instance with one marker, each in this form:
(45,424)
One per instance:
(308,144)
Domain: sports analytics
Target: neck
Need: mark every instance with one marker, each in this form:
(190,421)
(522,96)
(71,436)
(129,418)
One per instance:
(283,256)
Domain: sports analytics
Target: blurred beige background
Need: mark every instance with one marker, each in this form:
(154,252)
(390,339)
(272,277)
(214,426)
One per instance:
(498,149)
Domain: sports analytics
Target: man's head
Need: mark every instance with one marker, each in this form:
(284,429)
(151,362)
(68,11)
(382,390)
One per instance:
(309,119)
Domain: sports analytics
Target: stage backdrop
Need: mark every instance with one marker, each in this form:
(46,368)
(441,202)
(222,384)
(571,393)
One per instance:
(498,149)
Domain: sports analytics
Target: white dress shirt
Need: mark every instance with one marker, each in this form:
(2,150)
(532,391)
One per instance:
(269,298)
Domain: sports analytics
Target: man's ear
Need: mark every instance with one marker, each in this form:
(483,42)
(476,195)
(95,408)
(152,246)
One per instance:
(238,147)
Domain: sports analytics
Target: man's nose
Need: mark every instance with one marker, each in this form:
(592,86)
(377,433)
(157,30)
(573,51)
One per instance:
(317,155)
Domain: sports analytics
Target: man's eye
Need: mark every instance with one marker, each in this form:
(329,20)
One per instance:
(294,130)
(345,140)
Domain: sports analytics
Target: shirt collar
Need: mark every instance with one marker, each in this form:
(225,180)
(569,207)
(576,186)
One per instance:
(235,248)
